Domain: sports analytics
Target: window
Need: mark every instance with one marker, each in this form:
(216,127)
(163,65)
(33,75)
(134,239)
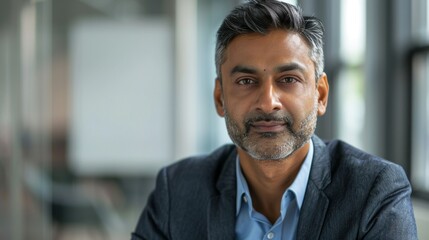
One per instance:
(420,120)
(420,99)
(350,90)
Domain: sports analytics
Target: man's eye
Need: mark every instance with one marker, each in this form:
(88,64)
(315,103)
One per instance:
(245,81)
(288,80)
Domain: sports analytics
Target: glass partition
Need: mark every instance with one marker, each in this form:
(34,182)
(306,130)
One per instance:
(419,67)
(25,95)
(95,97)
(420,121)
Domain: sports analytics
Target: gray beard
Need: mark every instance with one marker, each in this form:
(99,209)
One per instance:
(272,146)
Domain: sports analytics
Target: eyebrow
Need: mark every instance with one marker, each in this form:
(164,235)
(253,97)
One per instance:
(243,69)
(281,68)
(290,67)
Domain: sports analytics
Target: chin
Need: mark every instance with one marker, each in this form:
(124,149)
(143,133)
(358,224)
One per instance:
(274,153)
(269,149)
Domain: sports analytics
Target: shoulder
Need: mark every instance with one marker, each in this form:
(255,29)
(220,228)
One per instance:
(341,169)
(378,191)
(202,172)
(363,176)
(202,164)
(346,157)
(178,204)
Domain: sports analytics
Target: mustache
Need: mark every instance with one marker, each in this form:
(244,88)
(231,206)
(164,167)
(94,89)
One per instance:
(261,116)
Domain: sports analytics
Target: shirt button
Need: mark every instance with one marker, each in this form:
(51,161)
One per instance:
(270,235)
(245,199)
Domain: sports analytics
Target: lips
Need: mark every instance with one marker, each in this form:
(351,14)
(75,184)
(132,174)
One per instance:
(268,126)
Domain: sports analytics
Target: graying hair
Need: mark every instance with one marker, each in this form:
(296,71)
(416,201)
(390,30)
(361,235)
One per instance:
(262,16)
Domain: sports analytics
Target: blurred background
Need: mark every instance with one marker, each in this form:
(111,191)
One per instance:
(97,95)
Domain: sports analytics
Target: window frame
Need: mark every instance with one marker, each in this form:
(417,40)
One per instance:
(414,52)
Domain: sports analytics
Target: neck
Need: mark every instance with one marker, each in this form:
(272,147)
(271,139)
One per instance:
(267,180)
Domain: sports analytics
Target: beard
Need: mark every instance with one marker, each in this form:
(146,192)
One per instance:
(272,145)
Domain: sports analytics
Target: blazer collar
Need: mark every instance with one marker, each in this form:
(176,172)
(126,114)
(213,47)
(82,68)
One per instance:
(316,202)
(221,209)
(320,172)
(321,168)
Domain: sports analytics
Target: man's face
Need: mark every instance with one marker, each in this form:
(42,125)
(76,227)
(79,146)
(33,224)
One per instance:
(268,94)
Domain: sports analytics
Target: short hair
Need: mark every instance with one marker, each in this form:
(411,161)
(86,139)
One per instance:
(262,16)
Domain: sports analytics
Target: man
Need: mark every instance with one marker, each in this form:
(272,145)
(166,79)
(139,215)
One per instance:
(278,180)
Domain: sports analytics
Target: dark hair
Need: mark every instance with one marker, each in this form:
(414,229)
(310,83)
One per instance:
(262,16)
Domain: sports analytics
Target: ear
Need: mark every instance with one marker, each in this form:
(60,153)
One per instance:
(323,90)
(218,98)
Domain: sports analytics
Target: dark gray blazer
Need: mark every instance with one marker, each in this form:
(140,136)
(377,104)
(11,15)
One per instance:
(350,195)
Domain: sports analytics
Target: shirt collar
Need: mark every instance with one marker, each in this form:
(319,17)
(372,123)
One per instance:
(298,186)
(242,188)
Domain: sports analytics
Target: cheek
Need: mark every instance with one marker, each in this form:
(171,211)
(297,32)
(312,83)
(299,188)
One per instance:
(299,106)
(236,106)
(234,111)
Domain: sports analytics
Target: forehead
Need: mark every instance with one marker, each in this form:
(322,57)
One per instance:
(273,48)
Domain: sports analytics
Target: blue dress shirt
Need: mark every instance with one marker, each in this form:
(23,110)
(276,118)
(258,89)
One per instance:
(251,224)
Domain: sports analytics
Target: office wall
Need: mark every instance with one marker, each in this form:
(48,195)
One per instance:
(97,96)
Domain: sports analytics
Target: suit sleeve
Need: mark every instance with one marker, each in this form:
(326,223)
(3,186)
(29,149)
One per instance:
(154,220)
(389,212)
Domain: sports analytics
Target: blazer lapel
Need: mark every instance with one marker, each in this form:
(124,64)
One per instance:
(316,202)
(221,209)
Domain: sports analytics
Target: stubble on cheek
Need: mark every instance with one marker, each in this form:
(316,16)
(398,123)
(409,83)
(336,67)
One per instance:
(271,145)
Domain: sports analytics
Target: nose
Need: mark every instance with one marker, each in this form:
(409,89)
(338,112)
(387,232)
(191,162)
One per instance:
(268,99)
